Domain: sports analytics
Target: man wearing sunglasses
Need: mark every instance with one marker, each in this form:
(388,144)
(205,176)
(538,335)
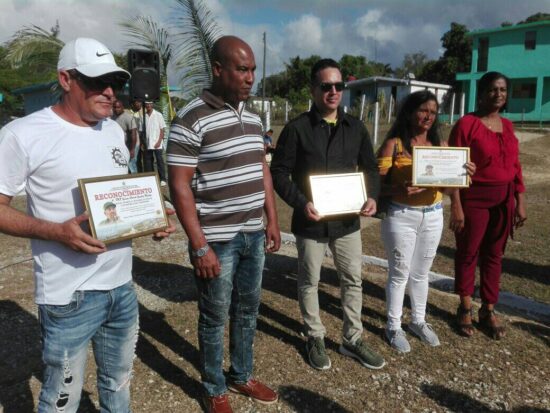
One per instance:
(83,289)
(322,141)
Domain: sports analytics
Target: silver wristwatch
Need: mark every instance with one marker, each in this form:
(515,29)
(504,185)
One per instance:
(201,252)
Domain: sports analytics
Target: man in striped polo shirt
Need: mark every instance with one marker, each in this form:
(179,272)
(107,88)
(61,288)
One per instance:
(220,186)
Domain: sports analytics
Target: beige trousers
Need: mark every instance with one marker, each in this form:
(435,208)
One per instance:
(346,252)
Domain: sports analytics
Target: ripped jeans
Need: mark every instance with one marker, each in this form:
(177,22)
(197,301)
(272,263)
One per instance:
(109,319)
(411,236)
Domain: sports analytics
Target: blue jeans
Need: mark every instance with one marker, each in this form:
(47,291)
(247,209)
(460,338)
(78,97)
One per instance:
(133,162)
(109,319)
(236,291)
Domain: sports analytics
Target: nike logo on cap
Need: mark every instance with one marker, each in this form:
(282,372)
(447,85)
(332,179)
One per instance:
(100,54)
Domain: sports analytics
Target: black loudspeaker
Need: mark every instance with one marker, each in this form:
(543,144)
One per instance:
(144,65)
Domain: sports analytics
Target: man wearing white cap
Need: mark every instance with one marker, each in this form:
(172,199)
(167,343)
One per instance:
(83,290)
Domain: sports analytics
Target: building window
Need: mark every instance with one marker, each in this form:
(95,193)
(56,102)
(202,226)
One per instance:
(524,90)
(530,40)
(482,54)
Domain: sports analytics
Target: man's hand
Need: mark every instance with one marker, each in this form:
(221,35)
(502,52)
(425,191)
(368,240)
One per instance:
(208,266)
(132,153)
(369,208)
(71,234)
(160,235)
(272,238)
(311,213)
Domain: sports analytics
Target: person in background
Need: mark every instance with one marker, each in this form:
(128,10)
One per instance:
(268,142)
(484,215)
(154,127)
(413,225)
(128,124)
(137,113)
(221,187)
(326,140)
(84,290)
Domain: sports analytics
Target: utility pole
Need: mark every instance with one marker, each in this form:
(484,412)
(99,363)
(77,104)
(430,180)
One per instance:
(263,87)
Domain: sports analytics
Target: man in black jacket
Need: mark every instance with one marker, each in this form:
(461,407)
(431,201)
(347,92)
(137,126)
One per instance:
(325,140)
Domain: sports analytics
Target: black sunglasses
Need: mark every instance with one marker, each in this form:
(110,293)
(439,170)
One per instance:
(100,83)
(327,87)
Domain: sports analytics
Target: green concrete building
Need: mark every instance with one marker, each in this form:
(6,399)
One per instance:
(522,53)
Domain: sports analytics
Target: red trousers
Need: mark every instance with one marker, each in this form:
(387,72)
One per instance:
(488,213)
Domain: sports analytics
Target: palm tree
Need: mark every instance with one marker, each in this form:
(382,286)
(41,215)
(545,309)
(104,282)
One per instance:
(195,34)
(35,48)
(189,43)
(147,34)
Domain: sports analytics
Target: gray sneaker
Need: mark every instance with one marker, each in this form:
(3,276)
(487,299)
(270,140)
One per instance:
(365,355)
(316,353)
(425,333)
(398,340)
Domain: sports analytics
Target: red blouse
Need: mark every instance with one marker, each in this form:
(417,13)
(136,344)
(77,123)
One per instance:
(496,155)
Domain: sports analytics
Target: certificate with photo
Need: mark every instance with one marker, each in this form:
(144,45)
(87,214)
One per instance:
(123,206)
(338,193)
(440,166)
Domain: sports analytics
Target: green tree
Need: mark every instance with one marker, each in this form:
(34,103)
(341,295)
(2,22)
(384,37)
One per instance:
(537,17)
(456,58)
(412,63)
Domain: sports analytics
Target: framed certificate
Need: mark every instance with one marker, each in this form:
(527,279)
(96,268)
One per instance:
(123,206)
(440,166)
(338,193)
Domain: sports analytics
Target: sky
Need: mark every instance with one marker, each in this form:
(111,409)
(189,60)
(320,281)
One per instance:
(381,30)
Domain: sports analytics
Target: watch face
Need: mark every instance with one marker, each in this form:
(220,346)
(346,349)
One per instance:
(201,252)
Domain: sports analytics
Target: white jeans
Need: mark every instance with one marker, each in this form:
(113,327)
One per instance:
(411,237)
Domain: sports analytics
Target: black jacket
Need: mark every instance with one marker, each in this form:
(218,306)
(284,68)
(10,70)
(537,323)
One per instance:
(308,145)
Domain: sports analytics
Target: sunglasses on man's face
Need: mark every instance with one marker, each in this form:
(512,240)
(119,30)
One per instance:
(100,83)
(327,87)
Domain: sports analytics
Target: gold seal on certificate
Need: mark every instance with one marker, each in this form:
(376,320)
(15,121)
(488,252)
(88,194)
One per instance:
(123,206)
(338,193)
(440,166)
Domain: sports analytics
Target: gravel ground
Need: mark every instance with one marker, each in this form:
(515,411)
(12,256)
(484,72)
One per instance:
(462,375)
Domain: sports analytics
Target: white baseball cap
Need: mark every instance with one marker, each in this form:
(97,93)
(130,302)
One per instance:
(89,57)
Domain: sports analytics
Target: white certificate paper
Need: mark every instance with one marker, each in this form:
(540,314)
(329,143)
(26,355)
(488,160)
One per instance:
(338,193)
(123,206)
(440,166)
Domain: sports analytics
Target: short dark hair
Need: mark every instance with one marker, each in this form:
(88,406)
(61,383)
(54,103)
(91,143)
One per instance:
(320,65)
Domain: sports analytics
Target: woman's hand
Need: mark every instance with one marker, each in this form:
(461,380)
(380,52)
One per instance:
(456,223)
(521,213)
(410,190)
(470,168)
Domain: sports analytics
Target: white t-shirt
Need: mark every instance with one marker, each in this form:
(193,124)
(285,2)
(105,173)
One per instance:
(46,155)
(154,123)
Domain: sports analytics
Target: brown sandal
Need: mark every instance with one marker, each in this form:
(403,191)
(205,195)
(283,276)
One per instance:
(465,327)
(489,322)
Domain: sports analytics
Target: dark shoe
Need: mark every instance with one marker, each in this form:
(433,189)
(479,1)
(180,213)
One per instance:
(464,319)
(489,322)
(365,355)
(256,391)
(316,353)
(217,404)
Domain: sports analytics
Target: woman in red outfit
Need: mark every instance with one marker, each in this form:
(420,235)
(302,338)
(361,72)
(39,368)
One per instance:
(485,214)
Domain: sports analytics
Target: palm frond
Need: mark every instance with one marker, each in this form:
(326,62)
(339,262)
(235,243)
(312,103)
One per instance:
(146,33)
(33,47)
(195,31)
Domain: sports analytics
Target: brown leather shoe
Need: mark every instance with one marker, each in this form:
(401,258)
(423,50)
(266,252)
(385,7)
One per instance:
(217,404)
(255,390)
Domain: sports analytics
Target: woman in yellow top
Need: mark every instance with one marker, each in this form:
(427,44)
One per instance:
(412,228)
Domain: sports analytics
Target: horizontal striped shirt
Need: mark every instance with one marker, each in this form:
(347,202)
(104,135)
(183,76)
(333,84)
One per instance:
(225,147)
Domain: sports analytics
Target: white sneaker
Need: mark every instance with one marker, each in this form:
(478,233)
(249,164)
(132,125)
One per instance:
(163,183)
(425,333)
(398,340)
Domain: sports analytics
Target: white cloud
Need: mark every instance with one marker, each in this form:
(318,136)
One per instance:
(304,35)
